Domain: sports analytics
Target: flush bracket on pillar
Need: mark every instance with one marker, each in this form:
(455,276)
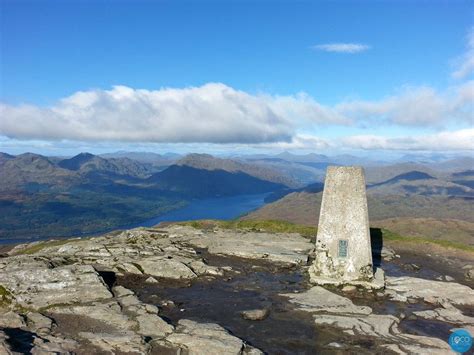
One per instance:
(342,249)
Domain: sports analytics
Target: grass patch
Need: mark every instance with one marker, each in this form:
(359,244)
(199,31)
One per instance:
(5,297)
(38,247)
(277,226)
(273,226)
(391,236)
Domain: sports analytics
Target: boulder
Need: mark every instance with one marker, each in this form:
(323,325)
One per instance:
(318,299)
(429,290)
(153,326)
(36,287)
(205,338)
(166,268)
(255,314)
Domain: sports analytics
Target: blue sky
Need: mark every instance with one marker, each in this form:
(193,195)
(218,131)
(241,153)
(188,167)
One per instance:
(255,75)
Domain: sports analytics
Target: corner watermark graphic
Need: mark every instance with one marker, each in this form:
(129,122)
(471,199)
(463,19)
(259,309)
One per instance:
(460,341)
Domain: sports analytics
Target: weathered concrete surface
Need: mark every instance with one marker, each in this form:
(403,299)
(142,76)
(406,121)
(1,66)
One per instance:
(343,250)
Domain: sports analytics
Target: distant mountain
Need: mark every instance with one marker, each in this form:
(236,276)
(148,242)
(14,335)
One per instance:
(311,157)
(420,183)
(200,183)
(209,162)
(409,176)
(304,208)
(379,174)
(146,157)
(423,158)
(4,157)
(454,165)
(26,169)
(466,173)
(86,163)
(465,178)
(76,162)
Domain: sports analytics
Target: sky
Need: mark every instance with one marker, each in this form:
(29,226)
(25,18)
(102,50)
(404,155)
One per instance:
(365,77)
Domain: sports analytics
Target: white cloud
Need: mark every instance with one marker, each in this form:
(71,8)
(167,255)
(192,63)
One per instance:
(213,113)
(342,47)
(218,114)
(305,108)
(299,142)
(443,141)
(414,106)
(465,64)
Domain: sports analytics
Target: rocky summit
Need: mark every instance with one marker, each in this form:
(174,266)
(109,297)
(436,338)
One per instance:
(177,289)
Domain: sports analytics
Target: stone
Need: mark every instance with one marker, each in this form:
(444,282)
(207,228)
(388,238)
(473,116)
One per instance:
(107,312)
(373,325)
(120,291)
(284,248)
(469,274)
(343,247)
(429,290)
(166,268)
(36,285)
(332,310)
(38,322)
(113,343)
(49,344)
(387,253)
(449,278)
(201,268)
(10,319)
(448,313)
(318,299)
(151,280)
(349,289)
(130,300)
(153,326)
(205,338)
(255,314)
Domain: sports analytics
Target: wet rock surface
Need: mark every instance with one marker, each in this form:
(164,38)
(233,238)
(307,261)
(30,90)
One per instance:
(178,289)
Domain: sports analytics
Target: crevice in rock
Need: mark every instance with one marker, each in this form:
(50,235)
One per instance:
(108,277)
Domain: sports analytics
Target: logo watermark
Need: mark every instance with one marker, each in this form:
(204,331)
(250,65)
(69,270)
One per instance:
(460,341)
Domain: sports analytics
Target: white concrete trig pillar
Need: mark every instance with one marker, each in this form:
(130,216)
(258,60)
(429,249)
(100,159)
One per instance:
(343,249)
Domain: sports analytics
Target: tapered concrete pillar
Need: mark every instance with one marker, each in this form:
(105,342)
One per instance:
(343,250)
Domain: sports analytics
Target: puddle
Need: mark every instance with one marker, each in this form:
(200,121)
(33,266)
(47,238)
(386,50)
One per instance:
(221,301)
(255,284)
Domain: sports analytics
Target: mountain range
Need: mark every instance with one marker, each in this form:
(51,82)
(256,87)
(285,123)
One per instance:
(88,193)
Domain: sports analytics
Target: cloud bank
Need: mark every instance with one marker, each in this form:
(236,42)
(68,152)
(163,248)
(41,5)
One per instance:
(415,106)
(212,113)
(215,113)
(443,141)
(342,47)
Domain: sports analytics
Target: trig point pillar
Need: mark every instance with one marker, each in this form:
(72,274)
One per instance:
(343,250)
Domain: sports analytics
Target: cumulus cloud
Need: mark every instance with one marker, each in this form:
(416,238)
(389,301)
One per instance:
(443,141)
(213,113)
(465,64)
(341,47)
(414,106)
